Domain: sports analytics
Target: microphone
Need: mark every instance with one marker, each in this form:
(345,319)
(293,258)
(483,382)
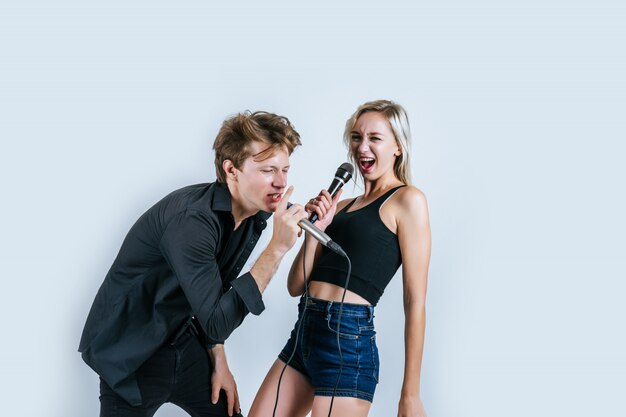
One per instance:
(342,176)
(321,237)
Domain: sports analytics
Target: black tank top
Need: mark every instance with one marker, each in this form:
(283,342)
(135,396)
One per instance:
(373,250)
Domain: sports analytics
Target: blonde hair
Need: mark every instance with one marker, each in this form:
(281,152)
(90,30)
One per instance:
(399,123)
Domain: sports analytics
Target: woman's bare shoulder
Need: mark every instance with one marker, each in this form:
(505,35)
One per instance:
(409,200)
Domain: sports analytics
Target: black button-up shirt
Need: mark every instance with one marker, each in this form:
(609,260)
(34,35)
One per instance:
(181,258)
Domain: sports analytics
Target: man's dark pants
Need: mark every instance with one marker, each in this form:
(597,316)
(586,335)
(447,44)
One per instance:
(178,373)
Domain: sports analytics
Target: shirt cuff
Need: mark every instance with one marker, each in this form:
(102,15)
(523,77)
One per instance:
(248,290)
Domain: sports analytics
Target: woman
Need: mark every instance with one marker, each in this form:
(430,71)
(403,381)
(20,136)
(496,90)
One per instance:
(397,232)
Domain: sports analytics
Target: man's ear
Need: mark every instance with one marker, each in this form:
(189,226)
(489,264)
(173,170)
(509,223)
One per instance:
(229,170)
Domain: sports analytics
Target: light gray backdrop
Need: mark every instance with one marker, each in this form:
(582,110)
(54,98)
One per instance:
(517,110)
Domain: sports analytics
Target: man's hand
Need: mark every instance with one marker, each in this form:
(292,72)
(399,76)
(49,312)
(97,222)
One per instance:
(222,379)
(286,228)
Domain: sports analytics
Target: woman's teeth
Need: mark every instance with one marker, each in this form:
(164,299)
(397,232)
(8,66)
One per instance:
(366,162)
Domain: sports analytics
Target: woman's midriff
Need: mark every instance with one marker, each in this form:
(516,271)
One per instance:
(331,292)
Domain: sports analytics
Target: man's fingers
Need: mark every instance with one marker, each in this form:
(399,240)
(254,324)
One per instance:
(282,204)
(230,397)
(301,213)
(237,405)
(297,211)
(215,393)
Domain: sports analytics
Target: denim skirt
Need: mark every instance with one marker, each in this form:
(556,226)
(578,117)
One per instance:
(316,354)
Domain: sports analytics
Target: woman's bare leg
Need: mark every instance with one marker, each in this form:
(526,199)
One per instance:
(342,406)
(296,394)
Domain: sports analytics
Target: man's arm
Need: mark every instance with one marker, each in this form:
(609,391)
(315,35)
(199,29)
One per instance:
(189,246)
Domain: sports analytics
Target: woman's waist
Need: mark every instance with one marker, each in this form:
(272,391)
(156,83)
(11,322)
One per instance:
(331,292)
(325,308)
(317,302)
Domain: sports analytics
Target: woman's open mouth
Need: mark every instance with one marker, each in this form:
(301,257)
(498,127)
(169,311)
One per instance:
(366,164)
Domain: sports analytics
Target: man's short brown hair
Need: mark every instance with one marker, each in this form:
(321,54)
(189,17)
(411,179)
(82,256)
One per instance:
(237,133)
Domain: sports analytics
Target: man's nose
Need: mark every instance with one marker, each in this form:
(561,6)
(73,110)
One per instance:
(280,180)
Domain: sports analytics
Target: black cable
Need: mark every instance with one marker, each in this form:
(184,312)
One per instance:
(306,299)
(301,320)
(345,289)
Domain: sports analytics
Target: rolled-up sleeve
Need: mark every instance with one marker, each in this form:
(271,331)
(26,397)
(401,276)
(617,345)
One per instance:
(248,290)
(189,246)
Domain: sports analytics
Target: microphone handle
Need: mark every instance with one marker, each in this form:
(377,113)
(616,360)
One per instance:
(308,227)
(334,187)
(320,236)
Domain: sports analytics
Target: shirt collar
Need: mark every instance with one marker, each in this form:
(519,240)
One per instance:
(221,198)
(222,201)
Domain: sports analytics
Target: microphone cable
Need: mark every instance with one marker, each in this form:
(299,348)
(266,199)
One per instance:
(301,320)
(295,345)
(343,297)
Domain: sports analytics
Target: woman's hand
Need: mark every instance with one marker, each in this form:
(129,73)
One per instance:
(325,206)
(411,406)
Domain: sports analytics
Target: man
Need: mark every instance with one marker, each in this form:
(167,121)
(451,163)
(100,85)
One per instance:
(173,295)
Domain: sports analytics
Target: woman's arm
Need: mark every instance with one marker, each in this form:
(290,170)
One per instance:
(295,279)
(325,207)
(415,244)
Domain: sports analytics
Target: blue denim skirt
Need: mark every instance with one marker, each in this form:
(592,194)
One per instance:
(317,353)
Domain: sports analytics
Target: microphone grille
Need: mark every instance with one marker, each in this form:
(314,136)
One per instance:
(347,166)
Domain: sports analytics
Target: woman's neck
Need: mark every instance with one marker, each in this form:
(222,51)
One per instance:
(379,186)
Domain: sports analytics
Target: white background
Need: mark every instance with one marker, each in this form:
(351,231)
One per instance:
(517,111)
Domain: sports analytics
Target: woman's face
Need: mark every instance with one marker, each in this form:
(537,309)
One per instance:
(374,145)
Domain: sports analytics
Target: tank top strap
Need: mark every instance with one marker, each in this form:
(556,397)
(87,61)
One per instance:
(377,204)
(347,207)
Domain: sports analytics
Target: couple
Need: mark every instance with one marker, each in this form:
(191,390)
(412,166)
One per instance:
(175,292)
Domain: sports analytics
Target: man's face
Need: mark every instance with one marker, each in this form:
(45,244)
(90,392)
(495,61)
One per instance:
(263,182)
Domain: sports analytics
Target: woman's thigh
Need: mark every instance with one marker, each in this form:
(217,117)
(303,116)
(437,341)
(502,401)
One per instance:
(342,406)
(295,395)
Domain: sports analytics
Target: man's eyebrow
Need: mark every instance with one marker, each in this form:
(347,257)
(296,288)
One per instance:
(275,167)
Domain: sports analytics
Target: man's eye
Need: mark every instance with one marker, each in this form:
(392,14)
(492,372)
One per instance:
(267,171)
